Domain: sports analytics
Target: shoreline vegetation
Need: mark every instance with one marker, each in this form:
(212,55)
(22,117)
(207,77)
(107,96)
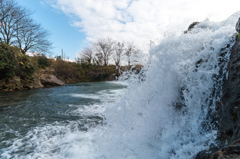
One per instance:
(22,72)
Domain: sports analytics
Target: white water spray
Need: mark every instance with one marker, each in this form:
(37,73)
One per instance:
(161,117)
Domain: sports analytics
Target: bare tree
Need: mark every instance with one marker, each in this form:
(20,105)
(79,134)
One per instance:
(87,54)
(131,53)
(32,37)
(104,49)
(17,28)
(99,59)
(11,15)
(118,52)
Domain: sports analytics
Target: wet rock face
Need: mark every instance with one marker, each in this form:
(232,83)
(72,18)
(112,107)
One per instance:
(229,110)
(238,26)
(229,107)
(230,152)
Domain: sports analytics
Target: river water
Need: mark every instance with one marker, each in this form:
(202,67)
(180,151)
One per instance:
(165,112)
(77,107)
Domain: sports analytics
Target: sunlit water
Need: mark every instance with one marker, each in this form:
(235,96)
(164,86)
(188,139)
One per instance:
(165,113)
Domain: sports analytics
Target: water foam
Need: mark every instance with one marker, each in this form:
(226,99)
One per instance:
(161,117)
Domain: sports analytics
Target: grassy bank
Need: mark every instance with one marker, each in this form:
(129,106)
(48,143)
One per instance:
(73,72)
(14,64)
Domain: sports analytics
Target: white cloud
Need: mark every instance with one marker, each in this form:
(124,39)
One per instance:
(140,20)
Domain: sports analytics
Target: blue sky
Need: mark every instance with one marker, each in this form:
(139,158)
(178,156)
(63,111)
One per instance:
(137,21)
(63,35)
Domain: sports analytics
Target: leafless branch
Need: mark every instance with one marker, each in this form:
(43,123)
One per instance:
(104,49)
(18,28)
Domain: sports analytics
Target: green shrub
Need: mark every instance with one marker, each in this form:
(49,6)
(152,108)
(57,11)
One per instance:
(65,70)
(8,61)
(43,62)
(14,63)
(25,69)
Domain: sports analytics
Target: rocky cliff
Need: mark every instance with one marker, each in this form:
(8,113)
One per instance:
(42,78)
(229,108)
(230,100)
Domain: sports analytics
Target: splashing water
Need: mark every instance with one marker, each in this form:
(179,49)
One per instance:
(165,116)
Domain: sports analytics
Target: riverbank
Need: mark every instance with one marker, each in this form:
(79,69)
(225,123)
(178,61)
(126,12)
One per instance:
(49,77)
(40,79)
(21,72)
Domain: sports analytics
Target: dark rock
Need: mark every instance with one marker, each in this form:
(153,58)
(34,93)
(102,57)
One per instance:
(229,111)
(230,152)
(191,26)
(228,108)
(203,155)
(207,154)
(238,26)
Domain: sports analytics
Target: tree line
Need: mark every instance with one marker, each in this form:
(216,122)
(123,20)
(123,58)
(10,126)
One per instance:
(103,51)
(17,28)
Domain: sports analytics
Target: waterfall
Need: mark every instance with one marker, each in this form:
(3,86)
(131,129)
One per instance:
(168,114)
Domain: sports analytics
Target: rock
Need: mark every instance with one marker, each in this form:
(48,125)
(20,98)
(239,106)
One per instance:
(17,80)
(203,155)
(238,26)
(35,84)
(229,110)
(191,26)
(230,152)
(41,78)
(52,80)
(49,78)
(17,83)
(11,84)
